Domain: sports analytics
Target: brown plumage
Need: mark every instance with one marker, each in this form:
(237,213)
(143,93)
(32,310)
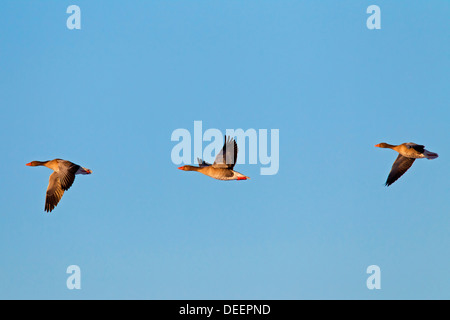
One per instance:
(60,180)
(222,168)
(408,153)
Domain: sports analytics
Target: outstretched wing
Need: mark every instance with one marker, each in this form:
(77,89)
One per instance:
(67,171)
(54,192)
(227,157)
(400,166)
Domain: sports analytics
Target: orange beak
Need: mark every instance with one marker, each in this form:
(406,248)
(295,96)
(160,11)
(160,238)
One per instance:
(377,145)
(181,168)
(29,164)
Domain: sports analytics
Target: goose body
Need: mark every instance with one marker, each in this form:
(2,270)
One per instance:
(408,153)
(222,168)
(61,179)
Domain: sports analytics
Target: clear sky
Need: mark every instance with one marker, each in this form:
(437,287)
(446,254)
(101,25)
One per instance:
(109,96)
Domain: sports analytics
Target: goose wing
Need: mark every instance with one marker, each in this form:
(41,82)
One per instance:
(202,163)
(67,171)
(418,147)
(400,166)
(227,157)
(54,192)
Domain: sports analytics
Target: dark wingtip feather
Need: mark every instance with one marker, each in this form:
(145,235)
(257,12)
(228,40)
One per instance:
(389,182)
(48,208)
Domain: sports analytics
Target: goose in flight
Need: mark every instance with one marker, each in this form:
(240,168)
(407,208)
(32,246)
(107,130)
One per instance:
(222,168)
(60,180)
(408,153)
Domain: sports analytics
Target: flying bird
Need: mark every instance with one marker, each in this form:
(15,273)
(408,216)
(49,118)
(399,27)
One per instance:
(60,180)
(222,168)
(408,153)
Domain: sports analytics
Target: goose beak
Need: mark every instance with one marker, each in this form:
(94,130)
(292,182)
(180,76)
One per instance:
(181,168)
(377,145)
(29,164)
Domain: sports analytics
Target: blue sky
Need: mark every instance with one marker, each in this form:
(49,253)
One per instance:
(109,96)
